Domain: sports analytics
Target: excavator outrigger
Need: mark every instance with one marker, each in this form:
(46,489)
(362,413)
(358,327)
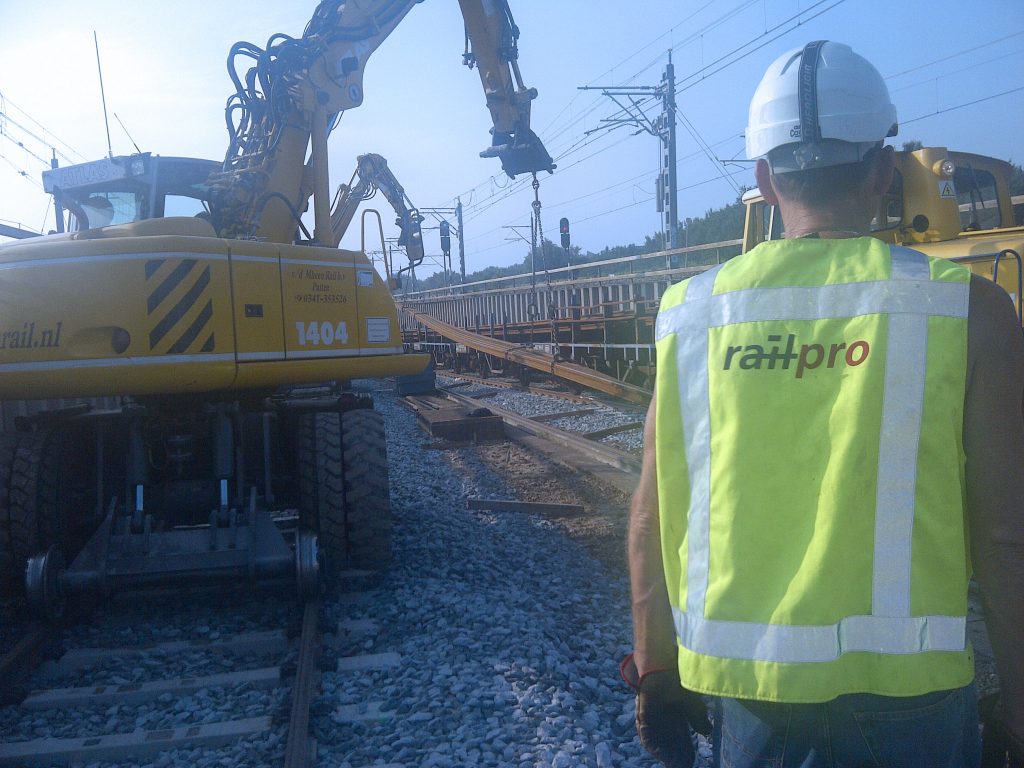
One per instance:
(194,363)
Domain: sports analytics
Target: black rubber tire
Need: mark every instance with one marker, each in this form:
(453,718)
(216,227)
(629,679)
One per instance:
(321,486)
(25,506)
(8,570)
(305,470)
(367,489)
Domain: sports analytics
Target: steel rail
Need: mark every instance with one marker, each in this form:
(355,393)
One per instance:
(533,358)
(300,749)
(605,454)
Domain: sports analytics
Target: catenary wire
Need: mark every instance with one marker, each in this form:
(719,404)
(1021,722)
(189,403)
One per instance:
(954,55)
(4,99)
(800,20)
(961,106)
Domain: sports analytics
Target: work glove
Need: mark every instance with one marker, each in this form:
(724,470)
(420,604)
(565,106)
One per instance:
(665,714)
(999,747)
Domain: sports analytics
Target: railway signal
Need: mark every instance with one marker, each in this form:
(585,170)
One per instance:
(446,239)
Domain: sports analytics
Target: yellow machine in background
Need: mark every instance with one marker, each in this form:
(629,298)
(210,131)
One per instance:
(953,205)
(190,298)
(370,176)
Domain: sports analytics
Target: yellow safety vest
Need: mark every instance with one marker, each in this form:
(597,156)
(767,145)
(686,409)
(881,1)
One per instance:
(811,471)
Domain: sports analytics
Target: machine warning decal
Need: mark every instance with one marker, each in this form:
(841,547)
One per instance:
(174,320)
(946,189)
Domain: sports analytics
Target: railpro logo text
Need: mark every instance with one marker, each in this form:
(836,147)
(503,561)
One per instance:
(756,357)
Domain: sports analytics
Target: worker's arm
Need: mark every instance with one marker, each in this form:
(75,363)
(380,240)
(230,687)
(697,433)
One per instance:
(654,645)
(665,711)
(994,444)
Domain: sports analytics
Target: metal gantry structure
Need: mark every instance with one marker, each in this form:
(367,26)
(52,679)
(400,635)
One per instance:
(630,100)
(447,229)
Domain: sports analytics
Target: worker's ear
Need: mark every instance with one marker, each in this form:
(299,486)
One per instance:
(763,174)
(883,168)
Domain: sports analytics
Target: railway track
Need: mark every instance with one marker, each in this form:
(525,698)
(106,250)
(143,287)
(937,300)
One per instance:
(580,447)
(191,694)
(512,384)
(432,662)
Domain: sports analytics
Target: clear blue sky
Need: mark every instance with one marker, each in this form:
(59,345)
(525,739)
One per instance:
(165,77)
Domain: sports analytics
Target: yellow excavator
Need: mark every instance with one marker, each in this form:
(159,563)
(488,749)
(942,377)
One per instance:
(172,368)
(954,205)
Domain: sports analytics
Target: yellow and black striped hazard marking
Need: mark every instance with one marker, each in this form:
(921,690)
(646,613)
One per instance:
(175,320)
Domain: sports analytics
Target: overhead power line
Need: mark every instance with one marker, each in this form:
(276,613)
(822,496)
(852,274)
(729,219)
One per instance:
(771,34)
(961,106)
(959,71)
(955,55)
(5,114)
(800,17)
(22,146)
(20,171)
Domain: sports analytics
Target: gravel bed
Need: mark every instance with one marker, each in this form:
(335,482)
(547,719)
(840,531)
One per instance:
(124,670)
(131,620)
(207,705)
(141,619)
(509,633)
(531,404)
(631,441)
(592,422)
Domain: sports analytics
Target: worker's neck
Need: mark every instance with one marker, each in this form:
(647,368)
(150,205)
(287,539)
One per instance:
(834,222)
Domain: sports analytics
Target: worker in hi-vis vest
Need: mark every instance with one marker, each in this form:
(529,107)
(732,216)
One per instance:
(835,446)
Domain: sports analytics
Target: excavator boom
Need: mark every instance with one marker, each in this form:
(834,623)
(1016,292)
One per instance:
(287,102)
(371,175)
(492,47)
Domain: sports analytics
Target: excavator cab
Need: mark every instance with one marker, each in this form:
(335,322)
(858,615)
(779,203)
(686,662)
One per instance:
(131,188)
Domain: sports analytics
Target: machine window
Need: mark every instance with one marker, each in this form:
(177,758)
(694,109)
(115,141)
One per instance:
(180,205)
(768,221)
(978,197)
(107,208)
(890,209)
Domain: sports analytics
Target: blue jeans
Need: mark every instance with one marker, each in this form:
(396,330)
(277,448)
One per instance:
(937,730)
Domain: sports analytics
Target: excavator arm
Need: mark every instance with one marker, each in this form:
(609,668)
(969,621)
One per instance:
(287,102)
(372,174)
(492,47)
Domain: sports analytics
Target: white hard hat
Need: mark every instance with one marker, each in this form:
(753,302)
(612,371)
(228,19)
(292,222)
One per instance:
(824,103)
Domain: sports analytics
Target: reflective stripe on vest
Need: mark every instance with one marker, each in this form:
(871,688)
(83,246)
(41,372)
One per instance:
(909,298)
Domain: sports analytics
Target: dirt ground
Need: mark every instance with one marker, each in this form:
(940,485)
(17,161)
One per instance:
(601,527)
